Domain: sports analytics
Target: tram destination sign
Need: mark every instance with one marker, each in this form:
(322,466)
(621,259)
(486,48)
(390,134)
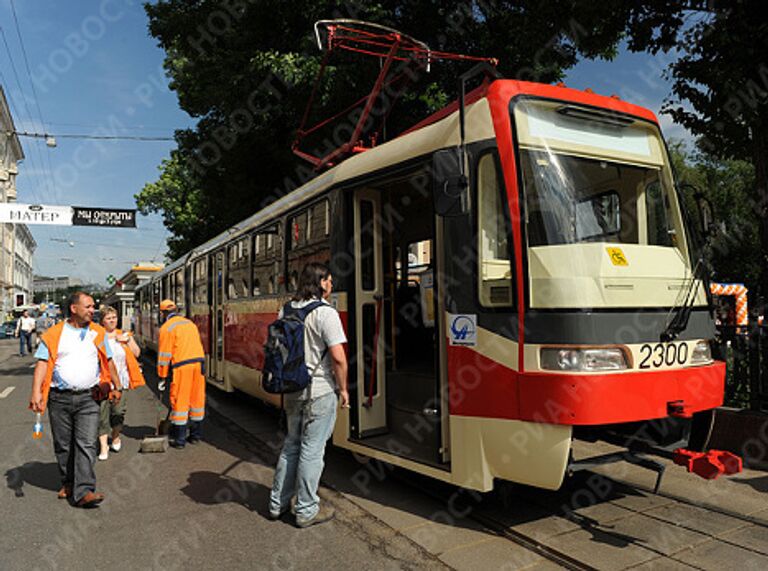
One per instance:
(112,217)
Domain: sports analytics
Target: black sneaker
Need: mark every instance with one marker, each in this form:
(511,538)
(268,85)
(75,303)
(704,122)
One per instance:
(191,440)
(175,444)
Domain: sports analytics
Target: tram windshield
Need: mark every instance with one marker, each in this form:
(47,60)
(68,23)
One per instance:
(602,220)
(572,199)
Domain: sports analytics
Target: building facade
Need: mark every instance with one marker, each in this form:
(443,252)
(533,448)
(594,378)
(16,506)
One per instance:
(121,295)
(11,154)
(45,286)
(23,276)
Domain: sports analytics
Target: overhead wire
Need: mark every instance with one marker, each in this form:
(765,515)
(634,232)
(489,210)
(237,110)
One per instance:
(32,86)
(46,152)
(93,137)
(37,169)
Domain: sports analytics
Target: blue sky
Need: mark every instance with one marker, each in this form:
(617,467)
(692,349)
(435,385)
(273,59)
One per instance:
(96,70)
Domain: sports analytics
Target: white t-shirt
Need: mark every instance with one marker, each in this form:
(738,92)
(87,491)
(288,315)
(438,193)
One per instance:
(120,361)
(77,362)
(27,324)
(322,329)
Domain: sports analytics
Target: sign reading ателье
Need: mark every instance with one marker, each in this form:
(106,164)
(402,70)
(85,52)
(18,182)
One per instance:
(103,217)
(66,215)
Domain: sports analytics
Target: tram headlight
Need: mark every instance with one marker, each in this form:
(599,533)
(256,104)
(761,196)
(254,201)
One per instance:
(702,354)
(569,359)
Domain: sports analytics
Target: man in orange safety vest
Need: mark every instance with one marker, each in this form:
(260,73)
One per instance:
(181,351)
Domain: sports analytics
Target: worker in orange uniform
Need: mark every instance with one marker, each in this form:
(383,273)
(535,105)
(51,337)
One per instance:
(181,351)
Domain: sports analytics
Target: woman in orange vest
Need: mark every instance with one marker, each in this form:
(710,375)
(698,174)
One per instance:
(125,353)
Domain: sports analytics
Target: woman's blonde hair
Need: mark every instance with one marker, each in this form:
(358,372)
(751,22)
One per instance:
(105,310)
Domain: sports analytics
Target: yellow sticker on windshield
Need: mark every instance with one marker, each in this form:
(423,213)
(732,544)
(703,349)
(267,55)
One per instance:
(617,257)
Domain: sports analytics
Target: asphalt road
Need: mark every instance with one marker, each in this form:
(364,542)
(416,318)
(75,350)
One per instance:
(202,507)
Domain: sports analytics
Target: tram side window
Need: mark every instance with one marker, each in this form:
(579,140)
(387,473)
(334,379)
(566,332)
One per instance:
(200,281)
(178,295)
(156,295)
(238,270)
(299,230)
(318,222)
(494,263)
(309,241)
(267,261)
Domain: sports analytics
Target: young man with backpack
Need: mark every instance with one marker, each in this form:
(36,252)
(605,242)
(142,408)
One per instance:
(310,411)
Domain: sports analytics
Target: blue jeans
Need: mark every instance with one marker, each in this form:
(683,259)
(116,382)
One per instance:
(75,429)
(25,338)
(310,425)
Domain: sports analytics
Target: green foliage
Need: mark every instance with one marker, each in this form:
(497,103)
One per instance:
(245,69)
(729,185)
(720,93)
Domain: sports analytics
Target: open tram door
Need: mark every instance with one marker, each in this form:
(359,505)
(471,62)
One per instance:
(370,370)
(397,395)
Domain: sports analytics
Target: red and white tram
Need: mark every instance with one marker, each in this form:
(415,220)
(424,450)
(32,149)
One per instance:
(487,322)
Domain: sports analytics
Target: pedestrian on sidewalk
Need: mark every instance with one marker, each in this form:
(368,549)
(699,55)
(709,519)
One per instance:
(181,351)
(43,324)
(74,370)
(125,353)
(311,413)
(25,327)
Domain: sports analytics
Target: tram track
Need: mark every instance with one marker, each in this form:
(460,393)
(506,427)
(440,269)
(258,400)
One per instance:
(533,545)
(496,526)
(692,503)
(504,529)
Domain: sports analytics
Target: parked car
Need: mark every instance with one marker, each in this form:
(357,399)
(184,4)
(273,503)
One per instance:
(7,329)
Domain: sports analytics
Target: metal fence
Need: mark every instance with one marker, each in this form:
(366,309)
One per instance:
(745,351)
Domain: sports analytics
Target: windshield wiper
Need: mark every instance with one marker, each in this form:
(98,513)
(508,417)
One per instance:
(682,312)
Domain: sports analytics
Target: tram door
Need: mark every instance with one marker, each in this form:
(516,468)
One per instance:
(370,361)
(217,316)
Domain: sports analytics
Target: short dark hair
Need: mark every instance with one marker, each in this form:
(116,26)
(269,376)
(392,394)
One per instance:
(73,299)
(309,281)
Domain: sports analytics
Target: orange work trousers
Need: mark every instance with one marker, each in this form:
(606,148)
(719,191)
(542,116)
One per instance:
(187,394)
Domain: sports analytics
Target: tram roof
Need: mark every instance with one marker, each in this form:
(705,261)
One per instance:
(441,134)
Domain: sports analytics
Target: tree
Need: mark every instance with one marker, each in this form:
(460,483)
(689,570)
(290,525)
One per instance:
(719,88)
(245,69)
(728,184)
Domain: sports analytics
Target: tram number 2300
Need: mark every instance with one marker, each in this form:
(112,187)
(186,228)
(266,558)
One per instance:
(669,354)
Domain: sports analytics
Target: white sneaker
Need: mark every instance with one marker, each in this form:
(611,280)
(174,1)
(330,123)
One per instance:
(104,456)
(116,445)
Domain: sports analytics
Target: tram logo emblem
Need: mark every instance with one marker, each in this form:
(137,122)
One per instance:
(617,257)
(463,329)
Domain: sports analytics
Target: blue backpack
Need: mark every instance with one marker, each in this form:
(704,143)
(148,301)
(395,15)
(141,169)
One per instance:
(285,370)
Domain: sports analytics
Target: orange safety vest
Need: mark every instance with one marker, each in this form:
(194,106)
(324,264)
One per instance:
(51,339)
(135,375)
(179,345)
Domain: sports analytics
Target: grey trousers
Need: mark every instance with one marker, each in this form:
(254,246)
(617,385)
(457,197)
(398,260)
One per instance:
(74,426)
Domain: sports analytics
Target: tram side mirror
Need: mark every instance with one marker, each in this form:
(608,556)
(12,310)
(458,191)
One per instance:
(450,187)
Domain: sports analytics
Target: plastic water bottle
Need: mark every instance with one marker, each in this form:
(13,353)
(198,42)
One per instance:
(37,431)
